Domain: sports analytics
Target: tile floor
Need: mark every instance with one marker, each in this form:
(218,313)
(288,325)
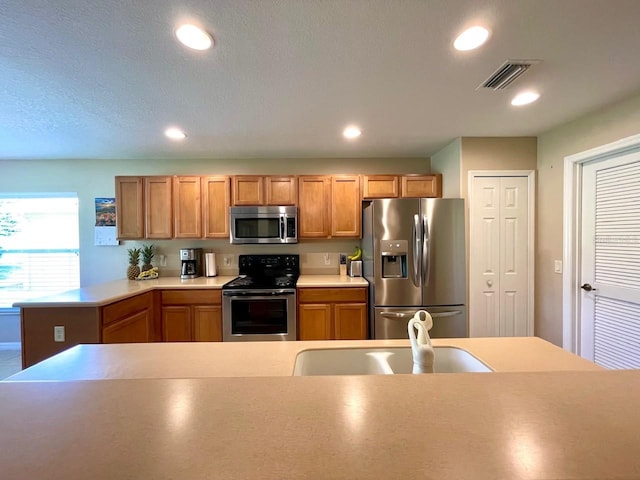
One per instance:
(10,360)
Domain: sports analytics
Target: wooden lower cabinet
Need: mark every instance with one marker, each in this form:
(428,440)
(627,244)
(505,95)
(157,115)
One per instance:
(191,315)
(129,320)
(332,314)
(132,329)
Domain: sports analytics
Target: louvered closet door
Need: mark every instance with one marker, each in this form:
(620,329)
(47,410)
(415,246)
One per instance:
(610,314)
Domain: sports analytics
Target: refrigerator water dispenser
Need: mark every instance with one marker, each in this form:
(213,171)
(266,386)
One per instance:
(394,258)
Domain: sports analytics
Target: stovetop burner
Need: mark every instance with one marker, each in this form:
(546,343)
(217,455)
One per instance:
(266,272)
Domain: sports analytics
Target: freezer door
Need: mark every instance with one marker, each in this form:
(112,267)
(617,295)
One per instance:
(392,322)
(396,219)
(443,251)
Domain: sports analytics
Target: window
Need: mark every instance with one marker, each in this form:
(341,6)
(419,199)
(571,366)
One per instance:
(39,245)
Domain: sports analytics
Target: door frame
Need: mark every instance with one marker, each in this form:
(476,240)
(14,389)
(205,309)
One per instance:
(572,228)
(531,213)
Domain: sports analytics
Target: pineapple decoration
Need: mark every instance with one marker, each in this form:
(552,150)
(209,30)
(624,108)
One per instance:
(148,251)
(134,258)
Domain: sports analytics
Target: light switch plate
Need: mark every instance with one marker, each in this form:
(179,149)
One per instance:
(58,333)
(557,266)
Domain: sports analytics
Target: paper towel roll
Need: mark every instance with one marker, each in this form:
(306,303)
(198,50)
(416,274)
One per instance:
(210,264)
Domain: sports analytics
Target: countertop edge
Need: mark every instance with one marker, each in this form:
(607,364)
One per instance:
(117,290)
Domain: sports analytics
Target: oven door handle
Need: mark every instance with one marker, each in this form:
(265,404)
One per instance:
(259,294)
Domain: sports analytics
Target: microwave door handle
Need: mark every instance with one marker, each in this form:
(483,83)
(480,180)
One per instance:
(417,248)
(282,227)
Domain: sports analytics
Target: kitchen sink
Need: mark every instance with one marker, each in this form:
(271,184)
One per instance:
(381,361)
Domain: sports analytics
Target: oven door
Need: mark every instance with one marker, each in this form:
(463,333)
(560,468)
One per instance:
(258,315)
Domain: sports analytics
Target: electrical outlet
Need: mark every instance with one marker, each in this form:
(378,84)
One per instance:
(163,260)
(327,259)
(226,261)
(58,333)
(557,266)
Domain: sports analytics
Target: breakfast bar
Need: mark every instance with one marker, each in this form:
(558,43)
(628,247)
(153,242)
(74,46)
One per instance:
(234,411)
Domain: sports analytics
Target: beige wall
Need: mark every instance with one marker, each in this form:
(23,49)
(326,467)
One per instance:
(95,178)
(605,126)
(447,162)
(493,153)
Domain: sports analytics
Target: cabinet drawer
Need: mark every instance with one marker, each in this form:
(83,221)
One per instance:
(191,297)
(332,295)
(125,308)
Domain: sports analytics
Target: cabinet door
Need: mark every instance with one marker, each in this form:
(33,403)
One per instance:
(314,322)
(346,206)
(132,329)
(176,323)
(314,195)
(158,207)
(129,208)
(248,190)
(281,190)
(216,199)
(187,216)
(350,321)
(381,186)
(207,323)
(422,186)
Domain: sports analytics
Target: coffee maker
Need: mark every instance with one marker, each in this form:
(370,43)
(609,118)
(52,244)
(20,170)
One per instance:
(191,262)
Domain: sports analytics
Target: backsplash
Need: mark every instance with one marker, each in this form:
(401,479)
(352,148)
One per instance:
(316,257)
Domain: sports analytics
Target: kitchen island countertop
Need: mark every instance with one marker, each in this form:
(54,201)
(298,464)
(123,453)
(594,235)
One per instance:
(261,359)
(561,424)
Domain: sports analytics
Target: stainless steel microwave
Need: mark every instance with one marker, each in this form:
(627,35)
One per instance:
(264,225)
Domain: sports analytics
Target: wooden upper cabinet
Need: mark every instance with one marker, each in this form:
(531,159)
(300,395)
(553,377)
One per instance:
(158,207)
(265,190)
(187,209)
(381,186)
(346,206)
(216,199)
(422,186)
(130,207)
(281,190)
(314,209)
(248,190)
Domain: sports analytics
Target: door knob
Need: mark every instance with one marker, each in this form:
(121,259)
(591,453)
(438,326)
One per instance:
(587,288)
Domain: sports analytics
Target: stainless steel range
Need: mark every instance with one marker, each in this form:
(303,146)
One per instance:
(260,304)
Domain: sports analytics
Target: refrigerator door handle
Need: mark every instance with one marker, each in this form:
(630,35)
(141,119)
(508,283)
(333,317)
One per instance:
(401,315)
(452,313)
(397,315)
(426,252)
(416,275)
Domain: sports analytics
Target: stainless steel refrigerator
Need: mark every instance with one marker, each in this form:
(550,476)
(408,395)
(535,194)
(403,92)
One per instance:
(414,258)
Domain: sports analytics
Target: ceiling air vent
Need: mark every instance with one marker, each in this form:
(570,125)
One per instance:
(507,73)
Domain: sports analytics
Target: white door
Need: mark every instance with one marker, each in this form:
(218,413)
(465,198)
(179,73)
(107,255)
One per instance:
(500,249)
(610,262)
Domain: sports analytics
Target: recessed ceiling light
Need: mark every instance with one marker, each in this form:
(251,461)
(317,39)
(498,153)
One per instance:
(525,98)
(175,133)
(471,38)
(351,132)
(194,37)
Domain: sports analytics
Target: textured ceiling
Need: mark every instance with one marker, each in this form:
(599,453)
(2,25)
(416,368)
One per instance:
(104,78)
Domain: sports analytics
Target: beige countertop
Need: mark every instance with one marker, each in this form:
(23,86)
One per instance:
(260,359)
(109,292)
(331,281)
(553,425)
